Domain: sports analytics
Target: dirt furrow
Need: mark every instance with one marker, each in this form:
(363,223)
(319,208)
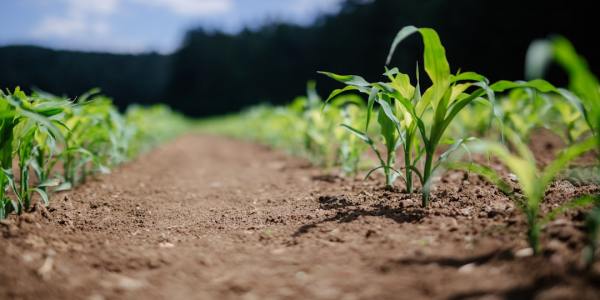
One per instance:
(212,218)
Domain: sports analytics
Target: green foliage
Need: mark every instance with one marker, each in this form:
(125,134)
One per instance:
(584,89)
(305,127)
(532,181)
(417,121)
(43,133)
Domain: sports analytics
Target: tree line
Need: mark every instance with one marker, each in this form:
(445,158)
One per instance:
(214,72)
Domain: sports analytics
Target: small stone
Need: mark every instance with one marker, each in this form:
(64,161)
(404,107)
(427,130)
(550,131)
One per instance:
(278,251)
(166,245)
(468,268)
(127,283)
(525,252)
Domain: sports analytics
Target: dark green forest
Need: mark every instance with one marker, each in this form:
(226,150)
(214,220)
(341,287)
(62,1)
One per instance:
(215,72)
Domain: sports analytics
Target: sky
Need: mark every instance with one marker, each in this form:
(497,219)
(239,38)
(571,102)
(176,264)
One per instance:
(135,26)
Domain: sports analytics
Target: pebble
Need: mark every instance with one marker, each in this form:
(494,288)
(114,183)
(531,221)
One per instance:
(525,252)
(166,245)
(468,268)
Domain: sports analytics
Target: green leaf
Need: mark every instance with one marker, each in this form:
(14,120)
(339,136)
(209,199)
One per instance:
(436,64)
(361,135)
(336,92)
(400,36)
(43,195)
(488,173)
(65,186)
(49,183)
(538,84)
(565,157)
(454,147)
(387,109)
(575,203)
(370,102)
(347,79)
(467,76)
(537,59)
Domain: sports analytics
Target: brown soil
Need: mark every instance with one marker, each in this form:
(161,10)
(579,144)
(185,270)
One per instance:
(212,218)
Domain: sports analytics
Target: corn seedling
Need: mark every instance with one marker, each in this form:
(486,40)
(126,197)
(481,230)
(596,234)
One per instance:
(24,122)
(584,88)
(305,127)
(417,121)
(41,132)
(532,181)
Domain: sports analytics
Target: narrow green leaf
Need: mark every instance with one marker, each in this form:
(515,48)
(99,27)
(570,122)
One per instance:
(538,84)
(361,135)
(575,203)
(488,173)
(400,36)
(43,195)
(347,79)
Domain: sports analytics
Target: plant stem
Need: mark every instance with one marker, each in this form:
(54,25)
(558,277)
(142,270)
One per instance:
(408,170)
(533,237)
(533,232)
(426,174)
(388,169)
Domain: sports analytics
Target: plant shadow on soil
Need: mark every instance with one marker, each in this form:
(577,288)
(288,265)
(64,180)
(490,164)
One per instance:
(529,291)
(347,211)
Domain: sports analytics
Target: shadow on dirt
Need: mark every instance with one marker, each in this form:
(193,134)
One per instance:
(457,262)
(348,212)
(530,291)
(520,292)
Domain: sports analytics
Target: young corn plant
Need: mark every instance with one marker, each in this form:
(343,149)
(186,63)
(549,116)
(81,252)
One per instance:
(391,138)
(322,129)
(532,181)
(150,126)
(584,87)
(579,109)
(42,132)
(415,121)
(7,124)
(47,148)
(319,128)
(474,120)
(25,118)
(90,139)
(351,148)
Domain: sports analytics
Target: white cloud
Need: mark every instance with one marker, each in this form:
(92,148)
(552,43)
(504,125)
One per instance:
(81,18)
(304,7)
(88,18)
(192,8)
(94,7)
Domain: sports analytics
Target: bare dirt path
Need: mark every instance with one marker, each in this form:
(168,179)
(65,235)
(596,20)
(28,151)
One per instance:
(212,218)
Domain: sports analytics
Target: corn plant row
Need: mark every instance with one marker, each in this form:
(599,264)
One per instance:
(304,127)
(50,143)
(422,123)
(455,108)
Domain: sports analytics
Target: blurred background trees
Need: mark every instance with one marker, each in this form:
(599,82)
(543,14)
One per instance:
(214,72)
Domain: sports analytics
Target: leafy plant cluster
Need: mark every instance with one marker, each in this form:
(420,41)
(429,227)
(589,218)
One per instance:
(455,108)
(413,126)
(50,143)
(305,127)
